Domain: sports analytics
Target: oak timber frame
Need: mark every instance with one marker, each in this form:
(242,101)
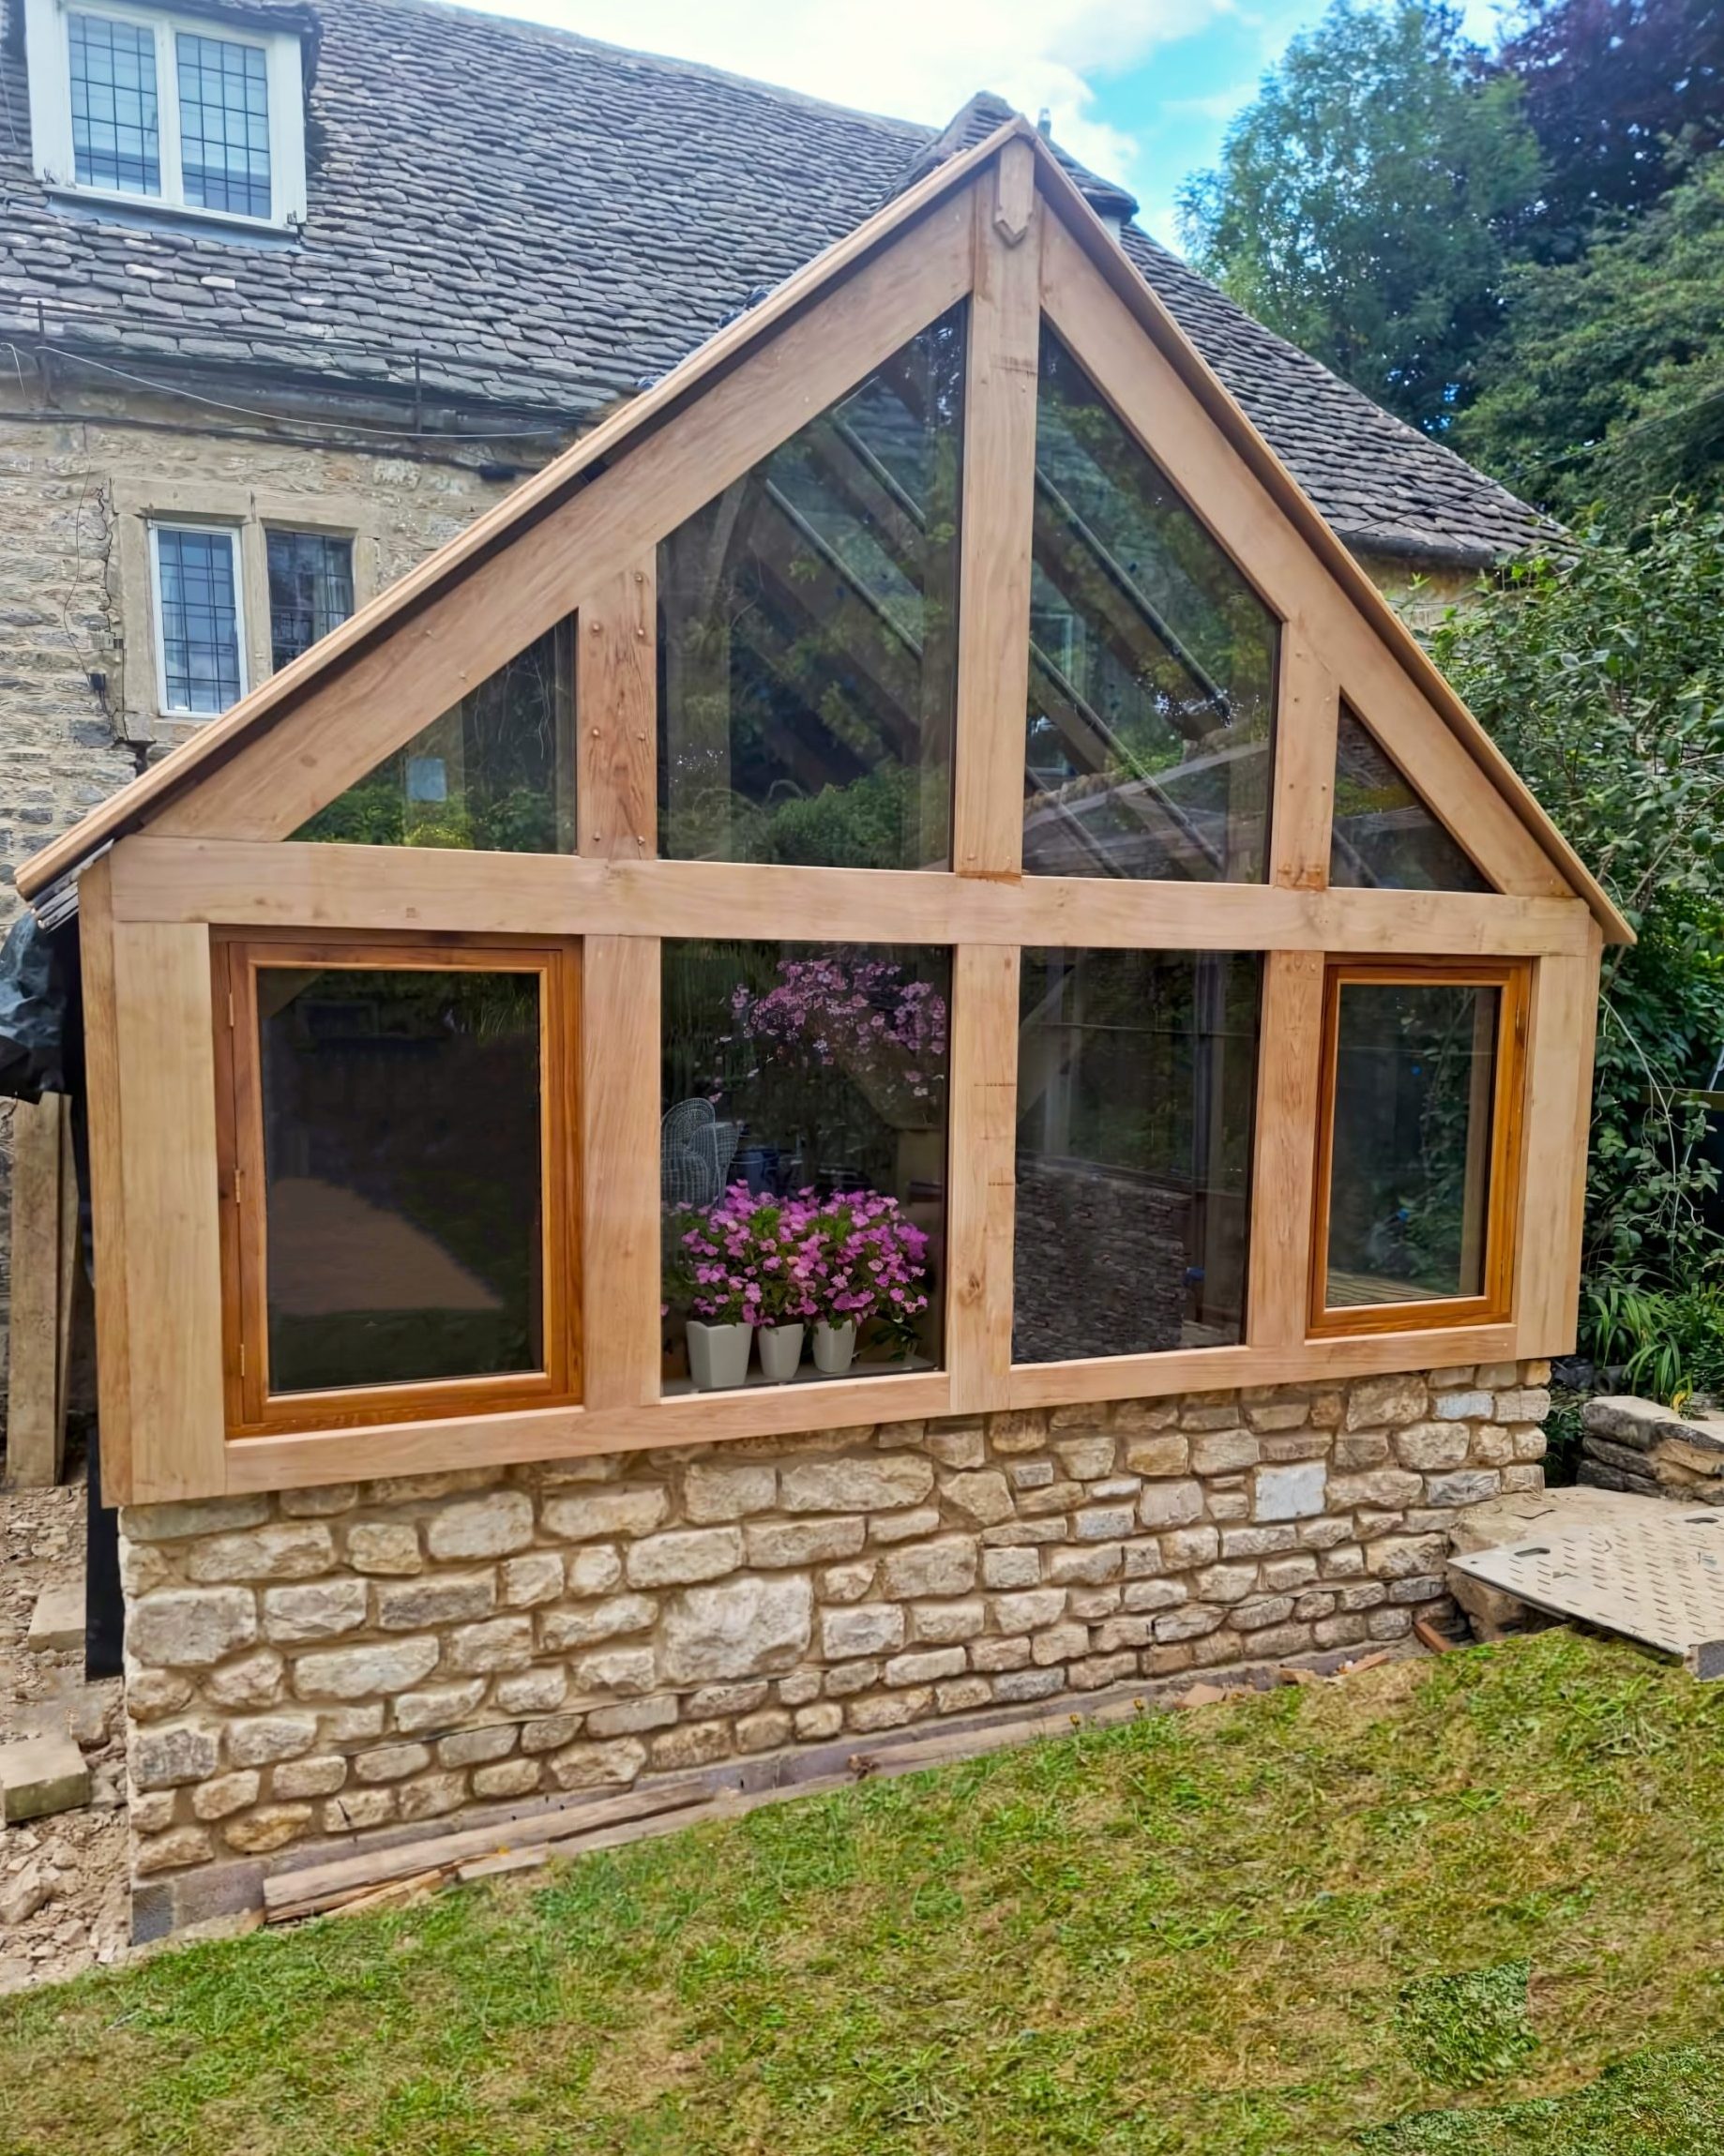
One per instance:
(201,856)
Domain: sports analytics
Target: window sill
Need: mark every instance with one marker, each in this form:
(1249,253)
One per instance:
(153,210)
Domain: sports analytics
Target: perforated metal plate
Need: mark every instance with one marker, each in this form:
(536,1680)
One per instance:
(1656,1576)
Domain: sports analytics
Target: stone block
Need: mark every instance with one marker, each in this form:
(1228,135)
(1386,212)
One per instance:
(1531,1404)
(477,1747)
(922,1669)
(592,1514)
(882,1483)
(611,1765)
(435,1796)
(753,1625)
(787,1543)
(171,1851)
(324,1500)
(163,1758)
(1154,1595)
(814,1724)
(1466,1407)
(1293,1491)
(940,1623)
(1021,1430)
(527,1581)
(1166,1504)
(440,1707)
(633,1717)
(982,1496)
(895,1527)
(287,1549)
(1000,1653)
(1371,1402)
(502,1643)
(946,1566)
(511,1778)
(496,1525)
(198,1515)
(261,1739)
(959,1444)
(617,1669)
(1189,1545)
(1032,1474)
(41,1776)
(57,1622)
(224,1796)
(1012,1568)
(270,1827)
(1378,1486)
(1362,1449)
(593,1571)
(191,1627)
(728,1490)
(1027,1612)
(321,1775)
(1085,1459)
(865,1628)
(1466,1486)
(1224,1452)
(1226,1582)
(612,1619)
(1018,1686)
(388,1548)
(1059,1643)
(359,1672)
(531,1691)
(1103,1523)
(320,1610)
(1162,1453)
(683,1556)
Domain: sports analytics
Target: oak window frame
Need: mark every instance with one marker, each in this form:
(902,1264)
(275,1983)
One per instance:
(1494,1303)
(251,1409)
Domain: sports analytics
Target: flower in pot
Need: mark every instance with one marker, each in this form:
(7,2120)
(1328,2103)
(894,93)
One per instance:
(709,1269)
(870,1264)
(781,1268)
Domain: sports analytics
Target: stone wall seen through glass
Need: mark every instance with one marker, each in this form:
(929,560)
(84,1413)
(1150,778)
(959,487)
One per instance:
(1137,1075)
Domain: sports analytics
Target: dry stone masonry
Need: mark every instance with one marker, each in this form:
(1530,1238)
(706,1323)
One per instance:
(336,1662)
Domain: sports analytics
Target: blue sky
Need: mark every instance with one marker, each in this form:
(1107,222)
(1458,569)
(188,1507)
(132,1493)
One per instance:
(1141,89)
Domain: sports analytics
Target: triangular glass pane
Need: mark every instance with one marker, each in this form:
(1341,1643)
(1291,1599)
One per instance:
(1151,663)
(495,772)
(1384,837)
(806,653)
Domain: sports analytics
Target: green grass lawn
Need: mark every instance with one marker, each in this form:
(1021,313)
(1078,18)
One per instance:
(1448,1909)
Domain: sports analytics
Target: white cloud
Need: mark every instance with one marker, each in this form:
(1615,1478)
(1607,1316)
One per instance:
(916,59)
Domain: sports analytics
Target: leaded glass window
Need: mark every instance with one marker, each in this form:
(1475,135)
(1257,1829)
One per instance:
(224,124)
(310,590)
(197,618)
(116,138)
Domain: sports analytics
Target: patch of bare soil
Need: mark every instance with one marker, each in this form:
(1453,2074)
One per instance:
(64,1898)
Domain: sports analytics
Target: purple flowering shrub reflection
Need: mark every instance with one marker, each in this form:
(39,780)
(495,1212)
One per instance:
(859,1017)
(765,1260)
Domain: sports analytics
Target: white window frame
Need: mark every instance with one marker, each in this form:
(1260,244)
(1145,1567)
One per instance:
(47,33)
(230,533)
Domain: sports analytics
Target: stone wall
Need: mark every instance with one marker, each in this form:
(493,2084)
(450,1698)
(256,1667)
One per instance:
(1652,1450)
(374,1658)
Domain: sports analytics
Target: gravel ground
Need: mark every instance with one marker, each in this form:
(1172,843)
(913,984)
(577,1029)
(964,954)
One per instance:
(65,1904)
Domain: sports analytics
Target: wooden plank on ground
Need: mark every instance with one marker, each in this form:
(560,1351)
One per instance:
(35,1398)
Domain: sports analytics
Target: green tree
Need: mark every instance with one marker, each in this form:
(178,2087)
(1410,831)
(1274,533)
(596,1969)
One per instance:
(1607,384)
(1602,678)
(1364,202)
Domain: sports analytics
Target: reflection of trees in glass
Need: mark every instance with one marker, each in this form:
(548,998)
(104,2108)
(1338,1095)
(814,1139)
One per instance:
(494,773)
(1152,670)
(1383,833)
(1414,1075)
(806,646)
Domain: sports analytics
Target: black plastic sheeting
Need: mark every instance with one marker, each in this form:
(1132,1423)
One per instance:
(41,1051)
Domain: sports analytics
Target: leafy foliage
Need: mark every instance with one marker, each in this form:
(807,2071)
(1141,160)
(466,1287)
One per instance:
(1607,379)
(1612,88)
(1363,202)
(1603,680)
(1670,1343)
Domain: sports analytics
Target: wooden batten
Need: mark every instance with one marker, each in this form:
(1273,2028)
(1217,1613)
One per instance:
(1284,1156)
(1555,1123)
(1306,724)
(619,1191)
(981,1174)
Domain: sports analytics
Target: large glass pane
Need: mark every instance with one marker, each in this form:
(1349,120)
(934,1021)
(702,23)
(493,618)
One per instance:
(806,647)
(495,772)
(1152,664)
(402,1174)
(1137,1074)
(1384,835)
(115,130)
(197,610)
(223,123)
(802,1158)
(1409,1187)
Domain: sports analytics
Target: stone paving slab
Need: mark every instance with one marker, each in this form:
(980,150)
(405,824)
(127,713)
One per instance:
(56,1623)
(41,1777)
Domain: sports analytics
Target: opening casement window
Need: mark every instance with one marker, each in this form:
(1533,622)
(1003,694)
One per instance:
(187,114)
(199,627)
(397,1132)
(1421,1113)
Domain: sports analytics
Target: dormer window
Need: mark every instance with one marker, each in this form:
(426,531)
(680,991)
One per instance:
(200,115)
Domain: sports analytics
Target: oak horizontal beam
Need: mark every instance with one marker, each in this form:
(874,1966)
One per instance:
(244,883)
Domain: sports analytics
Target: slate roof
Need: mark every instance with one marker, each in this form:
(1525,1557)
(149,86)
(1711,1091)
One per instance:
(545,222)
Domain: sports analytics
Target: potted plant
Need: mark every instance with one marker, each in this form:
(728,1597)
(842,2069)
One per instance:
(870,1264)
(783,1255)
(707,1267)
